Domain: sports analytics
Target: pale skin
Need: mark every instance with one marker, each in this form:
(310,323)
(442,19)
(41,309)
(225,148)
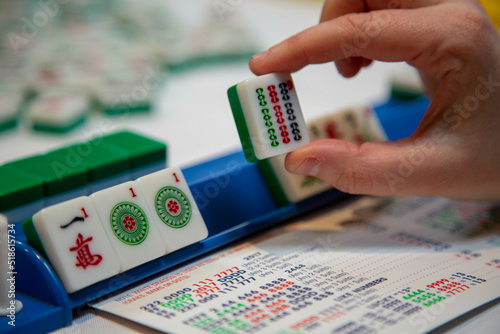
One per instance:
(455,151)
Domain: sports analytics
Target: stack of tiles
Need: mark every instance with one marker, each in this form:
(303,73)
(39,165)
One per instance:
(20,194)
(145,155)
(268,117)
(357,124)
(58,183)
(89,239)
(29,184)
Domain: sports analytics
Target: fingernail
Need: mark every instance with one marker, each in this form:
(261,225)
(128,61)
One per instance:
(259,56)
(310,167)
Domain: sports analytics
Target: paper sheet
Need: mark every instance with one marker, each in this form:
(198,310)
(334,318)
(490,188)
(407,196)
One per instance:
(411,267)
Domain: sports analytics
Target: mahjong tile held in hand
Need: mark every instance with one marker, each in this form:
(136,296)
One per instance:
(129,224)
(71,236)
(167,194)
(268,116)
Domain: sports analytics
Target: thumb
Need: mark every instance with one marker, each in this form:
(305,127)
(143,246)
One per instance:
(383,168)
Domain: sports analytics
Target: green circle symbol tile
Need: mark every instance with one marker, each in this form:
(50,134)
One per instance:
(129,223)
(173,207)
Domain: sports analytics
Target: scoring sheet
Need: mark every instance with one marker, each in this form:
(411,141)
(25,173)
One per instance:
(409,267)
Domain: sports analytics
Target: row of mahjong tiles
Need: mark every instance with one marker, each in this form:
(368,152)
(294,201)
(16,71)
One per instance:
(89,239)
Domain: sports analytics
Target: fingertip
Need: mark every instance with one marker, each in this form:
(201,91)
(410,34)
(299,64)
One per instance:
(295,160)
(257,62)
(366,62)
(308,159)
(349,67)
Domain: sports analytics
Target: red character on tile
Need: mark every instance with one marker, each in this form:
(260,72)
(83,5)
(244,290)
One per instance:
(331,131)
(359,138)
(84,257)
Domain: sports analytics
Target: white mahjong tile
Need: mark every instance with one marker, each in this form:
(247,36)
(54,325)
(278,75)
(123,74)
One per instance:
(296,187)
(129,224)
(273,115)
(125,95)
(75,243)
(58,110)
(167,194)
(357,124)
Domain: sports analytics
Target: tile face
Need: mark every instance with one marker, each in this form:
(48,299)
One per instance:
(268,116)
(168,195)
(75,243)
(128,224)
(358,124)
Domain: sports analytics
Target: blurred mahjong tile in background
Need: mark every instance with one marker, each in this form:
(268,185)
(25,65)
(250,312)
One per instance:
(58,111)
(10,107)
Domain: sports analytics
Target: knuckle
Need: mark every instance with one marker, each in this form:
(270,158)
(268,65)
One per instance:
(469,33)
(353,21)
(363,23)
(362,28)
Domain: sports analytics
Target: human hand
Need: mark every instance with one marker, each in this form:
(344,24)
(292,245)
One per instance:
(455,150)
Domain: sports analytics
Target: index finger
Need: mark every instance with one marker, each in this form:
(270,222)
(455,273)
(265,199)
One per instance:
(380,35)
